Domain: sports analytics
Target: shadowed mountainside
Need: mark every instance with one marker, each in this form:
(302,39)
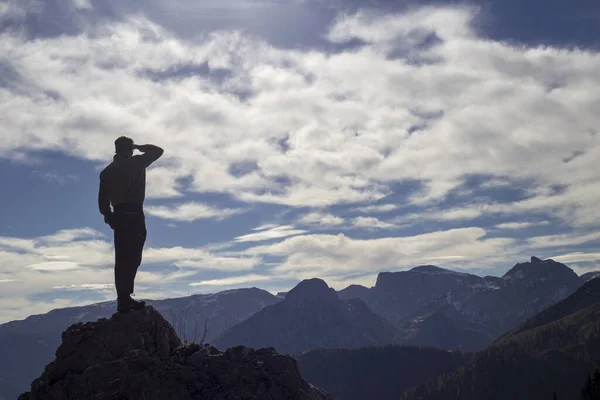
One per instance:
(310,317)
(382,373)
(551,353)
(426,301)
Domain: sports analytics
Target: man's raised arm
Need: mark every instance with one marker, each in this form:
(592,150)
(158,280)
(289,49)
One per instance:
(151,153)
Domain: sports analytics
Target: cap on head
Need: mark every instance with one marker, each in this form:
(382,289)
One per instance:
(123,145)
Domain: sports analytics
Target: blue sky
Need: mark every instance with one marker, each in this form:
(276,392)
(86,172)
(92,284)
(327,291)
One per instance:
(302,139)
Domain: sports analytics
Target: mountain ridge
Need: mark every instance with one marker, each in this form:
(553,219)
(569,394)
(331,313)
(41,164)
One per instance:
(453,312)
(466,303)
(551,353)
(301,322)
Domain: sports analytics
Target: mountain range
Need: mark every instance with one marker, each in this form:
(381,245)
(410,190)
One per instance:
(311,316)
(548,356)
(442,308)
(425,306)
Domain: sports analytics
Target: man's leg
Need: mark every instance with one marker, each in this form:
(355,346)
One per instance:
(138,239)
(130,237)
(121,262)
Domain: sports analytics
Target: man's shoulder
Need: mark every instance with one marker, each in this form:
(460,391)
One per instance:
(106,170)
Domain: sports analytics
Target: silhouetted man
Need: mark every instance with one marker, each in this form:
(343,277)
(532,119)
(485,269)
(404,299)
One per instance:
(123,184)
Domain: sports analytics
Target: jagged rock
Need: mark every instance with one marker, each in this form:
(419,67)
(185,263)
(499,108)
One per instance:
(139,356)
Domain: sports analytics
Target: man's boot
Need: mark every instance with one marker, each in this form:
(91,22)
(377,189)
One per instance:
(126,304)
(137,304)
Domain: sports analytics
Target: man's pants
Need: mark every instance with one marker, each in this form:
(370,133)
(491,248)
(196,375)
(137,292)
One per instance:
(130,236)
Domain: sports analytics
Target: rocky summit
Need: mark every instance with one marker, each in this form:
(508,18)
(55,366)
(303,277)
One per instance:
(139,356)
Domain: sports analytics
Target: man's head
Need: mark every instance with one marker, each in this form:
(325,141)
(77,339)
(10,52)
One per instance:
(124,146)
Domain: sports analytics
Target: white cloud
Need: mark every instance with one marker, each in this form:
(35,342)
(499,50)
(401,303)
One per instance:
(371,223)
(321,219)
(336,255)
(561,240)
(276,232)
(54,266)
(521,225)
(70,235)
(83,4)
(164,182)
(87,286)
(220,263)
(376,28)
(510,112)
(464,213)
(235,280)
(379,208)
(190,212)
(577,257)
(265,227)
(16,243)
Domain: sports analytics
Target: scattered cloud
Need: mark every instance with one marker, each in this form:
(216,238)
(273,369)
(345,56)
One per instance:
(276,232)
(54,266)
(486,108)
(577,257)
(87,286)
(567,239)
(83,4)
(265,227)
(220,263)
(321,219)
(521,225)
(234,280)
(71,235)
(336,255)
(378,208)
(371,223)
(193,211)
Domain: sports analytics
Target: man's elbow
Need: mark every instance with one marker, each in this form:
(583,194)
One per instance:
(157,152)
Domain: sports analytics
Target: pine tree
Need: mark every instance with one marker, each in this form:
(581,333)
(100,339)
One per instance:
(595,393)
(586,392)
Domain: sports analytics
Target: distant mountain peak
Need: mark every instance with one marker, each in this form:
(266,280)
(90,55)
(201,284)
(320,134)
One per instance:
(312,289)
(540,269)
(589,276)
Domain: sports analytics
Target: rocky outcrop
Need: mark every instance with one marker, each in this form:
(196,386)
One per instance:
(27,346)
(139,356)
